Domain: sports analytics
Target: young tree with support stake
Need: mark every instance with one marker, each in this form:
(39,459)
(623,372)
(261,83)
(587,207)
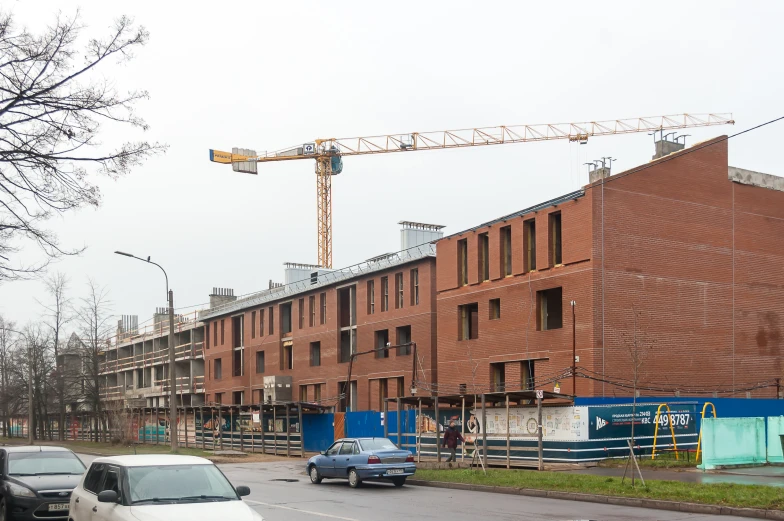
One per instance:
(52,107)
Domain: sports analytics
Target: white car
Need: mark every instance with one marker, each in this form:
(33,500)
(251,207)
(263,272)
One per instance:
(157,488)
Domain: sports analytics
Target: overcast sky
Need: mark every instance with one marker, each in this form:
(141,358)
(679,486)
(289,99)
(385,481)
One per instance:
(267,75)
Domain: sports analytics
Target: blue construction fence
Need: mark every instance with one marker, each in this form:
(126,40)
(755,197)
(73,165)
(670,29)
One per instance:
(318,430)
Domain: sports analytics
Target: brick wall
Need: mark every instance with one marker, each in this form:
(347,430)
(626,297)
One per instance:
(367,370)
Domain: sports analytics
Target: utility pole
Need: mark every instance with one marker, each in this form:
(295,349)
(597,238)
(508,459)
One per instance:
(574,351)
(172,374)
(30,427)
(172,377)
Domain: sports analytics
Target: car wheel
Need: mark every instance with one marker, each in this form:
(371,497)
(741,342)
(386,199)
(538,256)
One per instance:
(315,477)
(353,479)
(399,482)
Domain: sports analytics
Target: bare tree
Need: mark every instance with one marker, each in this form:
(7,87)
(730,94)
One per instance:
(8,342)
(95,320)
(58,314)
(52,106)
(638,346)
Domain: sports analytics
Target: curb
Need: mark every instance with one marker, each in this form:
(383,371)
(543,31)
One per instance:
(657,504)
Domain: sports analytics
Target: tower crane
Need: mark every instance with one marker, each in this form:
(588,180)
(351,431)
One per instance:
(328,153)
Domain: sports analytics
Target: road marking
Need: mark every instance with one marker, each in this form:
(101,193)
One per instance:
(299,510)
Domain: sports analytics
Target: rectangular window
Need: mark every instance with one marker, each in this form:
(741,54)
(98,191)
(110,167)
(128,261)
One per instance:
(384,293)
(215,333)
(529,240)
(271,320)
(303,393)
(462,262)
(506,251)
(253,324)
(312,309)
(237,362)
(415,287)
(398,290)
(495,309)
(382,393)
(218,365)
(285,318)
(549,305)
(400,387)
(555,239)
(219,398)
(317,393)
(371,296)
(261,322)
(223,330)
(403,334)
(484,257)
(498,375)
(288,357)
(323,317)
(468,321)
(239,396)
(237,331)
(301,310)
(348,345)
(315,354)
(259,362)
(381,341)
(206,336)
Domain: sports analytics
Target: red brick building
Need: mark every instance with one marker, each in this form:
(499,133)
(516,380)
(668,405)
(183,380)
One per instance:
(304,333)
(680,260)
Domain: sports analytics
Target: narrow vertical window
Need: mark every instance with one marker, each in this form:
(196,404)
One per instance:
(398,290)
(415,287)
(312,309)
(301,311)
(529,239)
(323,298)
(484,257)
(506,251)
(384,293)
(271,320)
(462,262)
(253,324)
(555,239)
(371,296)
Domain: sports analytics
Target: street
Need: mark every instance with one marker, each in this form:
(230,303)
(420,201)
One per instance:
(281,491)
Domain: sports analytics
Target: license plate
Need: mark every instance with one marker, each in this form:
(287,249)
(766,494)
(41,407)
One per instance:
(395,471)
(57,507)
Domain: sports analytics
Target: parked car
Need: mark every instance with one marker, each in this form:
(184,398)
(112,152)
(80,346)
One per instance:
(36,482)
(362,459)
(158,487)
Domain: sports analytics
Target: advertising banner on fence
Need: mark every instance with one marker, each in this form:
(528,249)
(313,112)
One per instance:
(608,422)
(558,423)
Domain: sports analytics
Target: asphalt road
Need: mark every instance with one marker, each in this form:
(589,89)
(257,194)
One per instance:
(281,491)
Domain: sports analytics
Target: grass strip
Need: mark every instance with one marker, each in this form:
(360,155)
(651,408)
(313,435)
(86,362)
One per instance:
(724,494)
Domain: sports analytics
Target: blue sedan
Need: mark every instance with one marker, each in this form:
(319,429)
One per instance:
(362,459)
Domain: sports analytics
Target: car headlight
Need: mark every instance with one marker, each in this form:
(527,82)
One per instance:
(20,491)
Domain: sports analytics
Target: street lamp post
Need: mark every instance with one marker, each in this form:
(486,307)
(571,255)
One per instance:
(30,438)
(172,374)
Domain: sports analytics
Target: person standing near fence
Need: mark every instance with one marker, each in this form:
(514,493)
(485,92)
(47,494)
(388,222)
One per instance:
(451,437)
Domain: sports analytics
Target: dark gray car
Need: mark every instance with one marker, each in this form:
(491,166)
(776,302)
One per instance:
(36,482)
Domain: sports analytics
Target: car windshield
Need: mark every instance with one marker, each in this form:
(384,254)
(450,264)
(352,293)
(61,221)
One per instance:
(182,483)
(39,463)
(377,444)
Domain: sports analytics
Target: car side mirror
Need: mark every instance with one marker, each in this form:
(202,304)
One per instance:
(108,496)
(323,453)
(243,491)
